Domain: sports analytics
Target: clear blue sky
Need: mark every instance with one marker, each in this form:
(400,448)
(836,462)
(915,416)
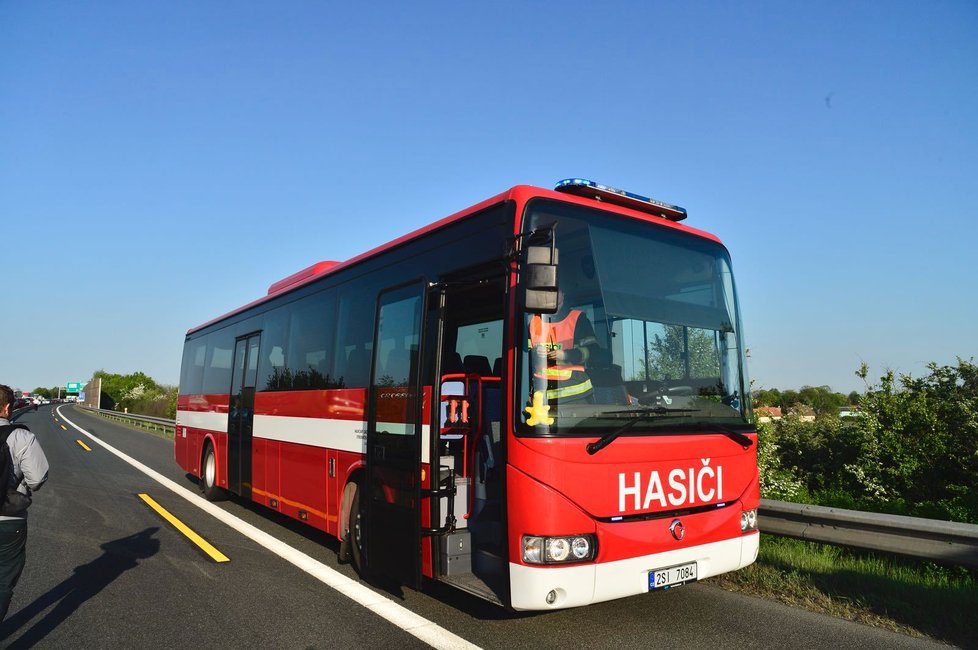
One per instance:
(164,162)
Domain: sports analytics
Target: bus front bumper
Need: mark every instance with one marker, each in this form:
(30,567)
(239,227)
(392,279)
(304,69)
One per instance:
(558,587)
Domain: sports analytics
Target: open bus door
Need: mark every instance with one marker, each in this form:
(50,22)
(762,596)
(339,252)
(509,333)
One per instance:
(392,539)
(467,445)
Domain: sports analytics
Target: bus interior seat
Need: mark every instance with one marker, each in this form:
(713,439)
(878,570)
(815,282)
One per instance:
(491,407)
(490,447)
(608,385)
(452,364)
(398,364)
(477,365)
(325,367)
(497,367)
(357,368)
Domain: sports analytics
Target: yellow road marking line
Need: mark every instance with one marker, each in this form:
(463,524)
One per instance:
(64,427)
(204,545)
(83,445)
(390,610)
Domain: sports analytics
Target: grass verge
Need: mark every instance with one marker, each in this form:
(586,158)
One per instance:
(916,598)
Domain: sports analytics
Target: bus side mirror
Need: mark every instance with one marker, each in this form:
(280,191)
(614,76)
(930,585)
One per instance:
(540,280)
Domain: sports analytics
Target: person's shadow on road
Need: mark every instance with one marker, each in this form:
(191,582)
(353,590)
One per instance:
(118,556)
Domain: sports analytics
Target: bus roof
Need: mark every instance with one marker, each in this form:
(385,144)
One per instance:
(519,193)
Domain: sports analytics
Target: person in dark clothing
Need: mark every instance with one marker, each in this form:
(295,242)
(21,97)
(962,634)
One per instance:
(30,471)
(563,344)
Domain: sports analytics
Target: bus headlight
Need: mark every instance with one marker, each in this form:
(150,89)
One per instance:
(559,550)
(581,548)
(748,520)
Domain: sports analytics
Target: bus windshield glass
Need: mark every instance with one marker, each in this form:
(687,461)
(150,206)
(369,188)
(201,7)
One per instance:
(647,331)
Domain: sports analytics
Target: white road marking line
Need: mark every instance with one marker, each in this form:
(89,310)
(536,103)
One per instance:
(418,626)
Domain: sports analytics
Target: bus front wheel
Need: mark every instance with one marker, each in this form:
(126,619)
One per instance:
(356,530)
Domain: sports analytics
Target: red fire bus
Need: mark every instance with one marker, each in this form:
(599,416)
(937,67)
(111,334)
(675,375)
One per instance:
(404,402)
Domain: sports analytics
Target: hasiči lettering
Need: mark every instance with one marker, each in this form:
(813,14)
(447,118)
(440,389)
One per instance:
(683,487)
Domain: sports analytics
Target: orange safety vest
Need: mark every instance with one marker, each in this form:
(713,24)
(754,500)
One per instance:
(568,380)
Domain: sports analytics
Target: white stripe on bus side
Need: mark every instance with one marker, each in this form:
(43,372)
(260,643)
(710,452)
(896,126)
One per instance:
(342,435)
(203,420)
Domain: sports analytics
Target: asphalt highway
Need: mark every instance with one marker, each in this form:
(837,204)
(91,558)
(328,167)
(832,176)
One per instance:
(107,570)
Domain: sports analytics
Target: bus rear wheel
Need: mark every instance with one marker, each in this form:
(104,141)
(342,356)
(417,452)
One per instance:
(208,475)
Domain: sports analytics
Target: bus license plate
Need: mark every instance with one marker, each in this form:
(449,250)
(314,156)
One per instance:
(672,577)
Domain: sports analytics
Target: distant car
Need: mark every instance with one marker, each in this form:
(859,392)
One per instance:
(21,403)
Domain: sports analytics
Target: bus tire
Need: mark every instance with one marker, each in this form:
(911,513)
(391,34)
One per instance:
(208,475)
(356,531)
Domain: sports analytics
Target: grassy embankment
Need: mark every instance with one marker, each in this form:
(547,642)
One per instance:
(916,598)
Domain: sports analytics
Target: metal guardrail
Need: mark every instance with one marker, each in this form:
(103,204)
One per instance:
(947,542)
(160,424)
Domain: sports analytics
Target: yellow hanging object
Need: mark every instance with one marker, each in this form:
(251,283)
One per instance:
(538,411)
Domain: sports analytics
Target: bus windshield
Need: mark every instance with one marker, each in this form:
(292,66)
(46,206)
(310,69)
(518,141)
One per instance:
(647,331)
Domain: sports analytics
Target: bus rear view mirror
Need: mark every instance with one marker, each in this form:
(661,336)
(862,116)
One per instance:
(540,302)
(540,280)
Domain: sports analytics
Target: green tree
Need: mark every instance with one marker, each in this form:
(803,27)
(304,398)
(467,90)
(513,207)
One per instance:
(137,393)
(666,356)
(911,450)
(788,399)
(928,429)
(822,399)
(767,397)
(778,480)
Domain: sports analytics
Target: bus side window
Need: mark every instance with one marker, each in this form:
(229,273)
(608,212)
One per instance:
(192,379)
(354,334)
(477,343)
(310,341)
(275,339)
(217,371)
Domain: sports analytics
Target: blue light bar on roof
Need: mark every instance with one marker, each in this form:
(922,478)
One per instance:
(592,190)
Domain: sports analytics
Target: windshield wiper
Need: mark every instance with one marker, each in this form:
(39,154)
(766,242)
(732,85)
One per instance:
(734,435)
(637,415)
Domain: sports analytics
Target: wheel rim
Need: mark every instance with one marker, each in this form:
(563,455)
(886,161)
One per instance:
(357,531)
(210,469)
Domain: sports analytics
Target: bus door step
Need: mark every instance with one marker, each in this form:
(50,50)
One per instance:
(488,563)
(456,553)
